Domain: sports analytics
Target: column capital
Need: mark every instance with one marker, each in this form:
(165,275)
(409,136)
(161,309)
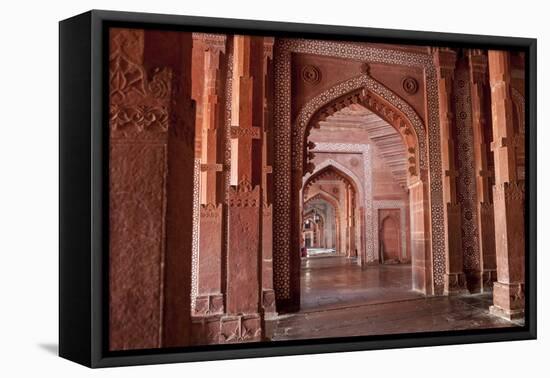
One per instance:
(499,68)
(445,61)
(268,47)
(477,60)
(212,42)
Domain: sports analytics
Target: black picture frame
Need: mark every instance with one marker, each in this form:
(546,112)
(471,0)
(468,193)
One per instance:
(83,204)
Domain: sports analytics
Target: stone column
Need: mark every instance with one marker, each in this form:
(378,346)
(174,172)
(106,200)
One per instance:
(508,196)
(484,205)
(351,221)
(242,321)
(349,236)
(208,50)
(268,294)
(455,282)
(421,261)
(151,152)
(137,193)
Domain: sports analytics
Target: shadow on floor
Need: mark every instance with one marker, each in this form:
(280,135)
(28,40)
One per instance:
(52,348)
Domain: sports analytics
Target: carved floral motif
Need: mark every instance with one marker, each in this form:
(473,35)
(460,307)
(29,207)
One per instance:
(240,329)
(137,105)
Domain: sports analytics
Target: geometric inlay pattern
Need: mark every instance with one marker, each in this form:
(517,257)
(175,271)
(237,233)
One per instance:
(466,181)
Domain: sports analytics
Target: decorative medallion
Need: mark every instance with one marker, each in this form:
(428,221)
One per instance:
(410,85)
(311,74)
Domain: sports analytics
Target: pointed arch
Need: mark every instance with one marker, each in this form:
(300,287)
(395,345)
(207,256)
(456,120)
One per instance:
(332,201)
(365,91)
(340,169)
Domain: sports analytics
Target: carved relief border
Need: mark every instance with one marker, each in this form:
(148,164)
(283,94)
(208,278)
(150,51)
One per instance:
(519,102)
(195,233)
(283,126)
(391,204)
(364,192)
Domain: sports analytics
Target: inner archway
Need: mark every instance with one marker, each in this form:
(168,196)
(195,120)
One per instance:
(321,225)
(359,162)
(333,186)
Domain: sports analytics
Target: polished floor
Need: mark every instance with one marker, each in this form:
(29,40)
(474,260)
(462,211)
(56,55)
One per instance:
(339,298)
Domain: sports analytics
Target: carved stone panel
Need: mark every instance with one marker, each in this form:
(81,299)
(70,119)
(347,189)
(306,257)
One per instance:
(267,247)
(206,330)
(243,249)
(238,329)
(137,197)
(210,246)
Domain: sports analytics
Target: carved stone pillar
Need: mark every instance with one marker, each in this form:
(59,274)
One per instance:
(421,260)
(137,157)
(208,50)
(349,235)
(508,196)
(242,321)
(151,150)
(353,244)
(268,294)
(484,205)
(445,60)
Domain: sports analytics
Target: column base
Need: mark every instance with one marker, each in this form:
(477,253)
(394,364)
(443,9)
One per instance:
(488,279)
(455,284)
(205,330)
(511,315)
(226,329)
(208,304)
(508,300)
(240,328)
(480,281)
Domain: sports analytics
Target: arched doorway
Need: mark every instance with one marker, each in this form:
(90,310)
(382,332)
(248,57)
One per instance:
(368,93)
(330,181)
(331,220)
(389,236)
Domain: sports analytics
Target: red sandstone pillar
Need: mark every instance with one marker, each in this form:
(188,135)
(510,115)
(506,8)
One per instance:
(455,282)
(151,150)
(208,50)
(243,321)
(484,208)
(349,236)
(508,196)
(137,156)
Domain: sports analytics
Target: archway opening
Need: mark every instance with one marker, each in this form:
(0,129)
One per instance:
(331,208)
(355,161)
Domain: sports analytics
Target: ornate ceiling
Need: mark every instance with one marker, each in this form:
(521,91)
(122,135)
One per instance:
(386,139)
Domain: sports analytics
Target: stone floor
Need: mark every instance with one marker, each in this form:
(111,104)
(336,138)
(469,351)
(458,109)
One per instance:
(339,298)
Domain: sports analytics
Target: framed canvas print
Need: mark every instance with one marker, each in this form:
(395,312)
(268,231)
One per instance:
(233,188)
